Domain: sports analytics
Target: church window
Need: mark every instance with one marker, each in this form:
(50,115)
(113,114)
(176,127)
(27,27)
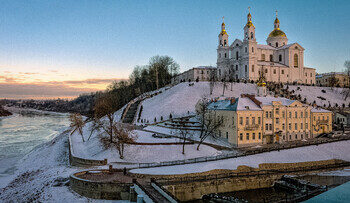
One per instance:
(276,44)
(266,70)
(282,71)
(219,72)
(225,55)
(274,71)
(236,77)
(280,57)
(270,44)
(296,60)
(236,67)
(252,35)
(246,68)
(290,126)
(306,74)
(271,57)
(252,68)
(263,57)
(236,55)
(219,55)
(246,35)
(296,126)
(202,72)
(225,42)
(245,49)
(221,42)
(253,49)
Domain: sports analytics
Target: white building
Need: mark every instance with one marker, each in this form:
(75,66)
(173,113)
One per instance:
(200,73)
(277,60)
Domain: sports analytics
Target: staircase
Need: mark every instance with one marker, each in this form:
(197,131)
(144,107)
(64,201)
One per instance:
(150,193)
(131,111)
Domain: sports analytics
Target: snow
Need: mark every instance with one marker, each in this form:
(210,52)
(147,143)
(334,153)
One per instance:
(333,95)
(335,150)
(93,149)
(182,98)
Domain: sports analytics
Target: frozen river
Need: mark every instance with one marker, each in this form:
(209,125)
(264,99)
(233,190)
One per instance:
(23,131)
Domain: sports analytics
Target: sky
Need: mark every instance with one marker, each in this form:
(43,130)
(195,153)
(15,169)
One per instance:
(51,49)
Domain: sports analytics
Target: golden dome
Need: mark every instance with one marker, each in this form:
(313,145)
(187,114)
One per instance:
(223,32)
(261,81)
(276,20)
(249,24)
(277,33)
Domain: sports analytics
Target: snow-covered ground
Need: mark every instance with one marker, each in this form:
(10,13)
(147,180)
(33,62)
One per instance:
(332,95)
(36,173)
(93,149)
(182,98)
(335,150)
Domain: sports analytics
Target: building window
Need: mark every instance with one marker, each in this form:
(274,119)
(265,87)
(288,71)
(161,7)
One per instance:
(226,135)
(253,136)
(247,120)
(296,114)
(271,58)
(290,126)
(236,67)
(277,111)
(305,114)
(296,60)
(290,114)
(246,68)
(252,35)
(245,49)
(301,125)
(225,42)
(306,125)
(296,136)
(241,136)
(252,49)
(253,120)
(283,126)
(280,58)
(252,68)
(241,120)
(225,55)
(219,55)
(236,55)
(259,136)
(295,126)
(266,70)
(266,126)
(282,71)
(263,57)
(270,125)
(259,120)
(267,114)
(247,136)
(276,44)
(270,114)
(301,115)
(283,114)
(274,71)
(277,121)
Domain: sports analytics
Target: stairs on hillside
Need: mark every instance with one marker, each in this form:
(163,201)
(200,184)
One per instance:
(131,112)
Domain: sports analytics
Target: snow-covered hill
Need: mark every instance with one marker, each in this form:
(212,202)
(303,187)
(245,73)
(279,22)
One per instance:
(182,98)
(311,93)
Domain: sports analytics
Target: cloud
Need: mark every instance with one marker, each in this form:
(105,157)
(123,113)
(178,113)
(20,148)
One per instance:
(13,89)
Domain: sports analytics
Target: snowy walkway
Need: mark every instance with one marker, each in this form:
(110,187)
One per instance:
(336,150)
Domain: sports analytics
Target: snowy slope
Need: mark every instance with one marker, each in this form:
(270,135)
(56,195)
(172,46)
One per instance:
(335,150)
(182,98)
(332,95)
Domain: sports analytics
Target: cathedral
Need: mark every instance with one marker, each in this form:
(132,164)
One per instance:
(276,60)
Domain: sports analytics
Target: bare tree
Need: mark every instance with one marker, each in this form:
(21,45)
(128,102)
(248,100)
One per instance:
(333,81)
(346,90)
(124,135)
(184,133)
(208,120)
(77,124)
(212,81)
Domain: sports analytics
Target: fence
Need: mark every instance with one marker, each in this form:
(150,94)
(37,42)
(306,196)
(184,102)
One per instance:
(173,180)
(241,154)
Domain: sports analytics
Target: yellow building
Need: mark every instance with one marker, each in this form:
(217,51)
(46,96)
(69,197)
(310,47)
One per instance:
(339,79)
(251,120)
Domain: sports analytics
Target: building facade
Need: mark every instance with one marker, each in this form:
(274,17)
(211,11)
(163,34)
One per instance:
(251,120)
(200,73)
(277,60)
(333,79)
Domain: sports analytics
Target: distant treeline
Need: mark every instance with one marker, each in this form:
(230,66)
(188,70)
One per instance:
(156,74)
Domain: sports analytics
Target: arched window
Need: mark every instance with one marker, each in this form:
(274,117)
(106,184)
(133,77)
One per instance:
(276,44)
(245,49)
(252,35)
(225,55)
(296,60)
(253,49)
(221,42)
(236,55)
(271,58)
(280,57)
(263,57)
(237,67)
(225,42)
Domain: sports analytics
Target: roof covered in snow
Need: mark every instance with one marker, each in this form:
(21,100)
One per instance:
(265,46)
(320,110)
(267,101)
(239,104)
(204,67)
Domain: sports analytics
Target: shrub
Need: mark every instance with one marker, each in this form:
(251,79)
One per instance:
(323,91)
(155,119)
(170,116)
(161,118)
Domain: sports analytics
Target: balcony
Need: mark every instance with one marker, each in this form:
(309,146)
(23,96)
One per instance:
(322,122)
(251,127)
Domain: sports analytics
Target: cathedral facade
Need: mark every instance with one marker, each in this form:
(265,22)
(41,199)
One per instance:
(277,60)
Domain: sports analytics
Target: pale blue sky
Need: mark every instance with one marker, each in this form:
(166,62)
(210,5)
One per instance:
(106,39)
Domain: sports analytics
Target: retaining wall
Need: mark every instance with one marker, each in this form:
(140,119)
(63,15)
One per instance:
(99,190)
